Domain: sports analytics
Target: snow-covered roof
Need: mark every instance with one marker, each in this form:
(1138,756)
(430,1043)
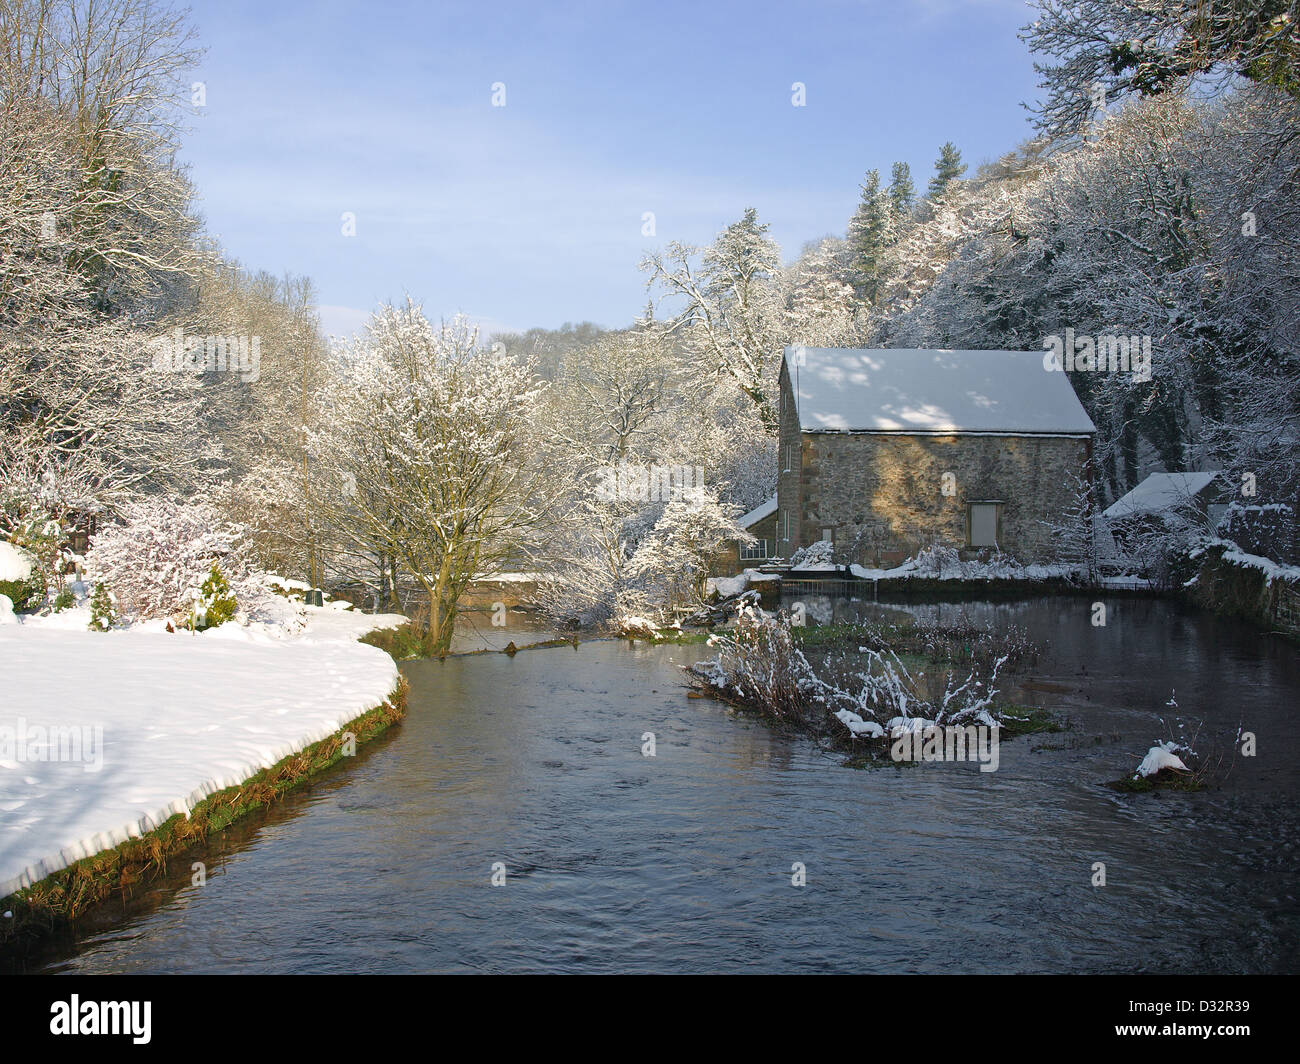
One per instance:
(842,389)
(762,510)
(1160,491)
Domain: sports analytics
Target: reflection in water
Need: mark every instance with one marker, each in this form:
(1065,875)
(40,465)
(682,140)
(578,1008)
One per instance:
(682,862)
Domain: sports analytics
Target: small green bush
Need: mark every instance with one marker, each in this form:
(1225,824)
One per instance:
(216,602)
(64,600)
(24,594)
(103,610)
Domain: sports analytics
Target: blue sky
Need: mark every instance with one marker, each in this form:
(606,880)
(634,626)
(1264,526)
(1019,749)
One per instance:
(531,213)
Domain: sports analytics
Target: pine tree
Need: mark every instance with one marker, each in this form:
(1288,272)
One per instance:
(946,168)
(871,231)
(902,192)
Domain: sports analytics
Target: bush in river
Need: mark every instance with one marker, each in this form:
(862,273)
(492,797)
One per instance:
(760,665)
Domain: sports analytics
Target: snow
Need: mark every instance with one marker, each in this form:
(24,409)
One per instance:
(179,716)
(857,726)
(7,615)
(935,567)
(727,586)
(15,563)
(1160,756)
(1235,555)
(843,389)
(897,726)
(818,555)
(766,509)
(1160,491)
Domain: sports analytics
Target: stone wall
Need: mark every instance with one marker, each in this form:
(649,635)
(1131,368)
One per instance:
(882,495)
(789,466)
(886,493)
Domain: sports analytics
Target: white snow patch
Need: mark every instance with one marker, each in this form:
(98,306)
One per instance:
(15,563)
(1160,756)
(727,586)
(897,390)
(181,716)
(1160,491)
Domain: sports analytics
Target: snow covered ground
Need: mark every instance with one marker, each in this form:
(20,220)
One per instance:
(154,721)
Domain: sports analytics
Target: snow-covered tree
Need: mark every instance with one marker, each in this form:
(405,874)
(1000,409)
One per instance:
(947,168)
(1102,51)
(902,191)
(155,559)
(871,232)
(674,557)
(433,441)
(729,309)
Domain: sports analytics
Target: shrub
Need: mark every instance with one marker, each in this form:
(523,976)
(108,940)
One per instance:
(20,577)
(162,550)
(820,552)
(214,603)
(103,609)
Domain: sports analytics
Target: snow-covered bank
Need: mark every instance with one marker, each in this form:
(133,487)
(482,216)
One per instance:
(158,721)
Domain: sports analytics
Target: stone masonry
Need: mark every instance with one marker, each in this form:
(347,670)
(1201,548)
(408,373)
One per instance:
(882,494)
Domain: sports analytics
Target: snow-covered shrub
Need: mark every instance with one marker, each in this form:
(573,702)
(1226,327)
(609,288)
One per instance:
(21,580)
(1265,529)
(213,604)
(760,667)
(162,551)
(103,609)
(821,553)
(939,561)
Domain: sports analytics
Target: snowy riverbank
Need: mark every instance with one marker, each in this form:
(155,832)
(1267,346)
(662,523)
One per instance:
(104,735)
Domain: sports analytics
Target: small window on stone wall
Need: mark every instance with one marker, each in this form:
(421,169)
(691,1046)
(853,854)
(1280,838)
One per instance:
(982,524)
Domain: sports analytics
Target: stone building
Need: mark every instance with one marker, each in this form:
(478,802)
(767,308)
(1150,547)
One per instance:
(885,452)
(760,523)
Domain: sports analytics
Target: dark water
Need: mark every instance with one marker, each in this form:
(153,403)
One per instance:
(682,862)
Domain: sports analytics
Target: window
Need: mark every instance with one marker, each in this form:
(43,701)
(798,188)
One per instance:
(828,535)
(755,551)
(785,520)
(789,457)
(982,524)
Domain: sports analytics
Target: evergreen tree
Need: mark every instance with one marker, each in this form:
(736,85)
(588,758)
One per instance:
(871,231)
(901,190)
(946,168)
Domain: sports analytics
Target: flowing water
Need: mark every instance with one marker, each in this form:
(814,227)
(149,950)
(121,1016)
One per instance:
(682,862)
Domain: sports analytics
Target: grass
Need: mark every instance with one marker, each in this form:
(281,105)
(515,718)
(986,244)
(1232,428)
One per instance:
(59,900)
(402,643)
(1167,779)
(1027,720)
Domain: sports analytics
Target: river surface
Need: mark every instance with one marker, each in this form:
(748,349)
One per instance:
(682,862)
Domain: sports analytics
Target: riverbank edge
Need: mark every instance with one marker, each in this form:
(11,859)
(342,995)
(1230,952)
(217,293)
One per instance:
(1231,584)
(58,901)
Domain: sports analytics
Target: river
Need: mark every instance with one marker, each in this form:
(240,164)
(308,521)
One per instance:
(682,862)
